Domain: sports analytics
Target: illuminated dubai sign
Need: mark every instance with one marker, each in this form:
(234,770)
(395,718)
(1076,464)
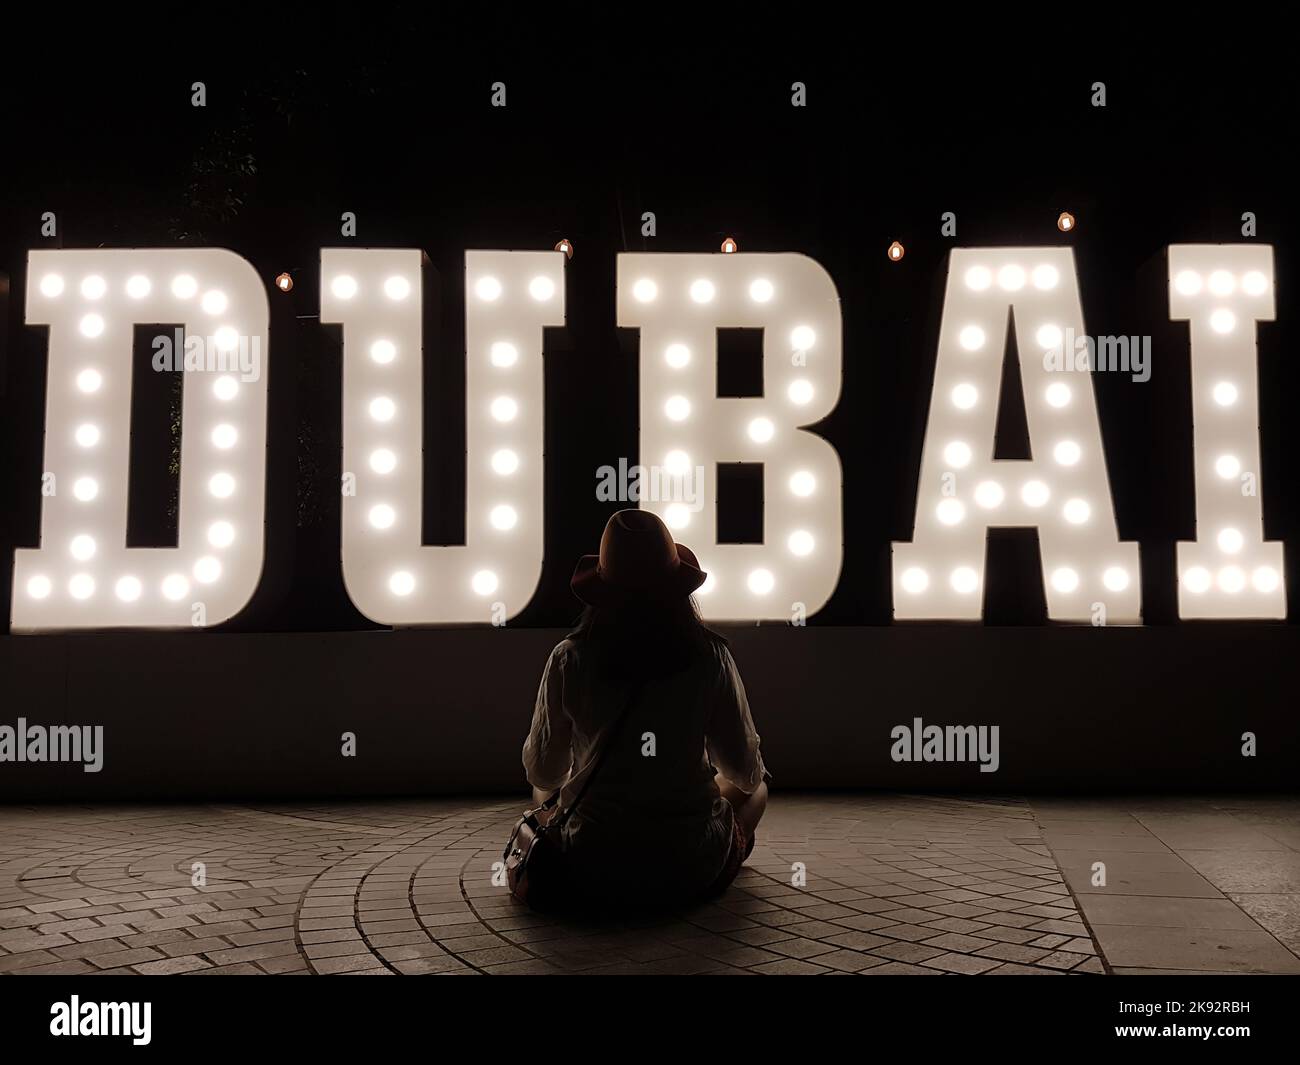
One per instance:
(83,577)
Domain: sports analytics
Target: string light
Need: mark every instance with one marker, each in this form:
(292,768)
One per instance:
(896,252)
(1065,222)
(729,246)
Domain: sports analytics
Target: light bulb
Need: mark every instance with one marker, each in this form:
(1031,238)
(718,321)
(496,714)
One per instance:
(677,463)
(914,580)
(989,494)
(1065,579)
(964,580)
(1011,278)
(964,396)
(1067,453)
(1057,394)
(677,516)
(175,587)
(803,483)
(1230,541)
(950,511)
(1077,511)
(1225,394)
(1227,466)
(702,291)
(1035,493)
(801,542)
(957,454)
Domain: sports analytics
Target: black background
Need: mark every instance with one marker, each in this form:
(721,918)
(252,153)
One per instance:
(387,114)
(685,112)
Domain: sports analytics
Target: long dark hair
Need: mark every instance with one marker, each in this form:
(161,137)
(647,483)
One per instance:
(644,637)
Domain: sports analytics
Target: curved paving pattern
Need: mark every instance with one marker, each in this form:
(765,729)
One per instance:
(894,884)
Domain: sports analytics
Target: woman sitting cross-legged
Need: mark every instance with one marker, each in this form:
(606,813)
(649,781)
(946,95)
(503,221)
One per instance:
(642,716)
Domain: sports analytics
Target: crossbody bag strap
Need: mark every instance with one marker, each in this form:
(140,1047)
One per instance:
(601,756)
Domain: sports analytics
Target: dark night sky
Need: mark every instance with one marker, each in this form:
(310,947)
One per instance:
(600,127)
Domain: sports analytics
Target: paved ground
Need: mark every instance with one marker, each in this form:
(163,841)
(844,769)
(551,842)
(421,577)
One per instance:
(914,884)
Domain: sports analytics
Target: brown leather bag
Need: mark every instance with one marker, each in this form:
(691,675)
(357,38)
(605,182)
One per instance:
(534,855)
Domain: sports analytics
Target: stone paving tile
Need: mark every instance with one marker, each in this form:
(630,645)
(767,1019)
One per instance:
(896,884)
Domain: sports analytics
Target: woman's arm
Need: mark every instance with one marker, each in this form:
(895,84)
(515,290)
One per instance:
(731,740)
(547,752)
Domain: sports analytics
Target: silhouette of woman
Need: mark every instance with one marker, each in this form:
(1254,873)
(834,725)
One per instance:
(643,688)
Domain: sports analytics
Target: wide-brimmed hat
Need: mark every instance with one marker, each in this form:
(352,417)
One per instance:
(638,558)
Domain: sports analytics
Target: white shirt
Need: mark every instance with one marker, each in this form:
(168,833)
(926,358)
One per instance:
(654,802)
